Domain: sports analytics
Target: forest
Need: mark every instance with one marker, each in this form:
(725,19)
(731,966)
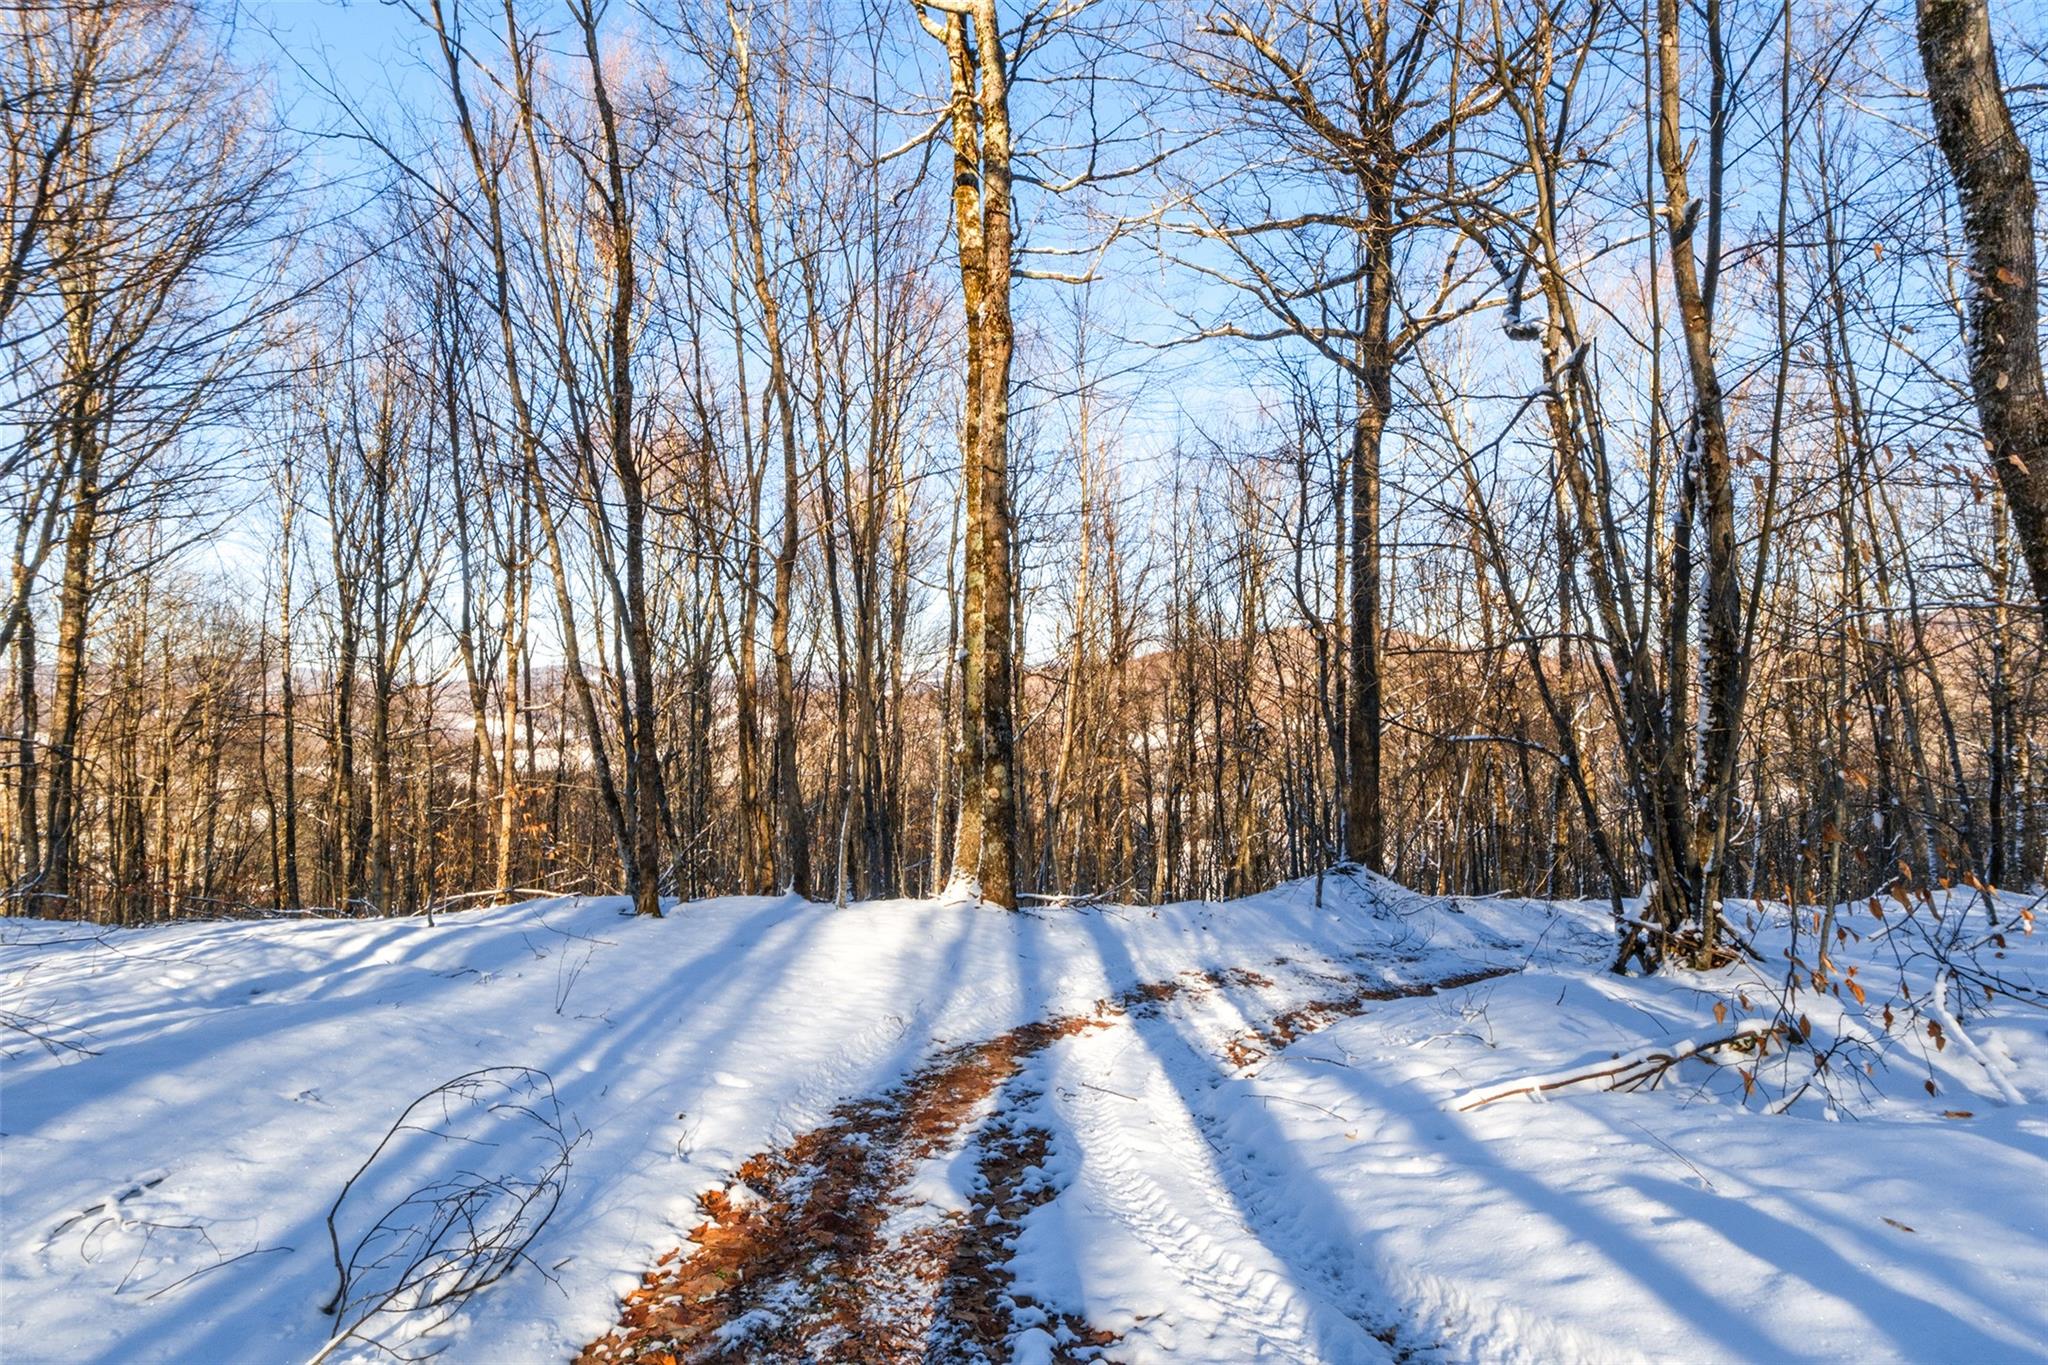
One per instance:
(556,481)
(1179,465)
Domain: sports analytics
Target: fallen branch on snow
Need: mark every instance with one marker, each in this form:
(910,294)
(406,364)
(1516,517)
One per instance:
(1938,1008)
(1635,1070)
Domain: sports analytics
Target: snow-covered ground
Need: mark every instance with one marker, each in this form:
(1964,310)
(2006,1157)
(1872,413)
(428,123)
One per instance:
(1272,1163)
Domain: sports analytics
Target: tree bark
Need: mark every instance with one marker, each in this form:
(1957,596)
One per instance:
(1995,183)
(970,757)
(998,776)
(1721,668)
(647,797)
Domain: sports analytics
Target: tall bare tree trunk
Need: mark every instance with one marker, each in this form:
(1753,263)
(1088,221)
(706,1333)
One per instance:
(647,795)
(518,598)
(998,776)
(1694,279)
(971,761)
(1995,182)
(74,601)
(1364,820)
(796,843)
(28,827)
(288,694)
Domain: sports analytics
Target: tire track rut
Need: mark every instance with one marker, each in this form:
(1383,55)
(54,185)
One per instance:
(802,1256)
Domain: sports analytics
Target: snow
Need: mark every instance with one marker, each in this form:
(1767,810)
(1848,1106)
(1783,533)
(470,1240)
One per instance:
(1606,1226)
(164,1197)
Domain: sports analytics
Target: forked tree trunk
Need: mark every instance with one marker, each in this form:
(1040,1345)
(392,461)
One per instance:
(1713,513)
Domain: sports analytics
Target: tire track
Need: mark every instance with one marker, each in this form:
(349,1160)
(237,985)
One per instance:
(802,1257)
(794,1260)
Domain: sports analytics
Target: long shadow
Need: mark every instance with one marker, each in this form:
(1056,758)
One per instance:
(146,1017)
(966,1275)
(638,1027)
(975,1300)
(213,1303)
(1157,1030)
(1942,1334)
(485,941)
(1747,1225)
(934,955)
(353,987)
(765,966)
(1670,1274)
(1255,1131)
(815,1244)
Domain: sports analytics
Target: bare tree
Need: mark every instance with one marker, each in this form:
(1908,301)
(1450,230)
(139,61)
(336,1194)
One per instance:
(1356,101)
(1994,179)
(984,848)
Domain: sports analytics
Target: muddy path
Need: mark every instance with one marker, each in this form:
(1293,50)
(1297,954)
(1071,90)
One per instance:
(817,1250)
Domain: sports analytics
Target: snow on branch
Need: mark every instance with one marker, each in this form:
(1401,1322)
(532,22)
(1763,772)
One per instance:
(1643,1067)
